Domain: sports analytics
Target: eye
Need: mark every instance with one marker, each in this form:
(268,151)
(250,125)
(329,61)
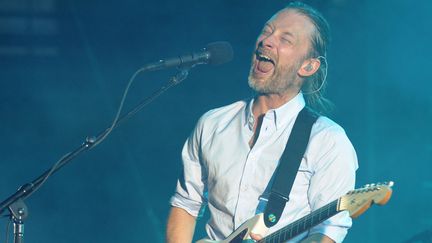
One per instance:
(286,39)
(266,31)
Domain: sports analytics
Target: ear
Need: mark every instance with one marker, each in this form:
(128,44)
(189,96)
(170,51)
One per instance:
(309,67)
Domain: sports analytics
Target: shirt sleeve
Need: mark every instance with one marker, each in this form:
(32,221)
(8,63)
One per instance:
(191,185)
(333,176)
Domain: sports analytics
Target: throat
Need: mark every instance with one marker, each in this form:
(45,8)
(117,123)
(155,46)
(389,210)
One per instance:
(256,131)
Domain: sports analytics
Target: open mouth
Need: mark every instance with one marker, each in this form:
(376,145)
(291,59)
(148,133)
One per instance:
(265,63)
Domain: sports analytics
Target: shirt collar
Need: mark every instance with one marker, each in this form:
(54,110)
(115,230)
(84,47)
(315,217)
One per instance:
(281,115)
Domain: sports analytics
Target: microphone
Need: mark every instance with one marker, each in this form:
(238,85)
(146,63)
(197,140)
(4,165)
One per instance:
(214,54)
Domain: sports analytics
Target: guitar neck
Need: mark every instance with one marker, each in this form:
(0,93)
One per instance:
(303,224)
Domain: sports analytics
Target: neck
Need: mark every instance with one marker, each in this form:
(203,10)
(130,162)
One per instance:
(303,224)
(265,102)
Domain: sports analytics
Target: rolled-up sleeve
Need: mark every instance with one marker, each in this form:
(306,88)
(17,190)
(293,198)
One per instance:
(191,185)
(334,176)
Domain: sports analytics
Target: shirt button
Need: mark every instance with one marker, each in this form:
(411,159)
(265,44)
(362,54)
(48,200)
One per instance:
(245,187)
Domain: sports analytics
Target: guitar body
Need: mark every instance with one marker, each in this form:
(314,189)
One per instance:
(254,225)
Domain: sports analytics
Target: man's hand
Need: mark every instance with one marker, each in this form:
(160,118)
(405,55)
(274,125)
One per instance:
(181,226)
(255,236)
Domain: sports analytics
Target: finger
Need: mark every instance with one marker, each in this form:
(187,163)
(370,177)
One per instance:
(256,236)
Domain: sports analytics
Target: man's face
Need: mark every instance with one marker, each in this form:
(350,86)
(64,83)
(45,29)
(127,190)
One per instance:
(279,53)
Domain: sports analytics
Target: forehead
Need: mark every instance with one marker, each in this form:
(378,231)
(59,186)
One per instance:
(292,21)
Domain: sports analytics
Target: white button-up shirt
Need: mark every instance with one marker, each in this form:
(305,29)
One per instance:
(223,172)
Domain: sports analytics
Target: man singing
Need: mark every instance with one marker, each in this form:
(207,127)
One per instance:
(230,158)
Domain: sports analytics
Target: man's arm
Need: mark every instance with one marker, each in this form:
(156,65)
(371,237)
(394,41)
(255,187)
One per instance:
(181,226)
(335,163)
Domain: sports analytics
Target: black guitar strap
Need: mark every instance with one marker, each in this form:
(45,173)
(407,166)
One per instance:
(289,164)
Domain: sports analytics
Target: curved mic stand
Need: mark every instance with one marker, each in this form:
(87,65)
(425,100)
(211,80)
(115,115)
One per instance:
(15,203)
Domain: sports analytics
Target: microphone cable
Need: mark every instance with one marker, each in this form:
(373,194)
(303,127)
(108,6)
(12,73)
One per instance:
(99,140)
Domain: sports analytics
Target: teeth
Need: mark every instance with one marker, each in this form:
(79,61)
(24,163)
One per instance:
(261,56)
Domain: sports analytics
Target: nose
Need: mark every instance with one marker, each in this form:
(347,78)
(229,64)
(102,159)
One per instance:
(268,41)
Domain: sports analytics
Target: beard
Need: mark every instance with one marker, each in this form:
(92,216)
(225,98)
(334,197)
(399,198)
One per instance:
(283,79)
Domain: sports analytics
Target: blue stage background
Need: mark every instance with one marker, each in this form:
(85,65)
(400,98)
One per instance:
(64,65)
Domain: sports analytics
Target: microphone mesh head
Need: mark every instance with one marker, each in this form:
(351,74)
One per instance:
(220,52)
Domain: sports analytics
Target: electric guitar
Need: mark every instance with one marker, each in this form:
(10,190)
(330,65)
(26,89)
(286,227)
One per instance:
(356,202)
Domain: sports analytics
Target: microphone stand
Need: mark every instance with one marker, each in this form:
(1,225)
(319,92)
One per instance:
(15,203)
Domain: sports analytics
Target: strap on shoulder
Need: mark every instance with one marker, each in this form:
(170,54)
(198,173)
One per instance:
(289,164)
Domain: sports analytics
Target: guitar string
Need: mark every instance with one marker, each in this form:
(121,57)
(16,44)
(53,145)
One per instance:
(303,221)
(294,226)
(284,230)
(309,219)
(333,205)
